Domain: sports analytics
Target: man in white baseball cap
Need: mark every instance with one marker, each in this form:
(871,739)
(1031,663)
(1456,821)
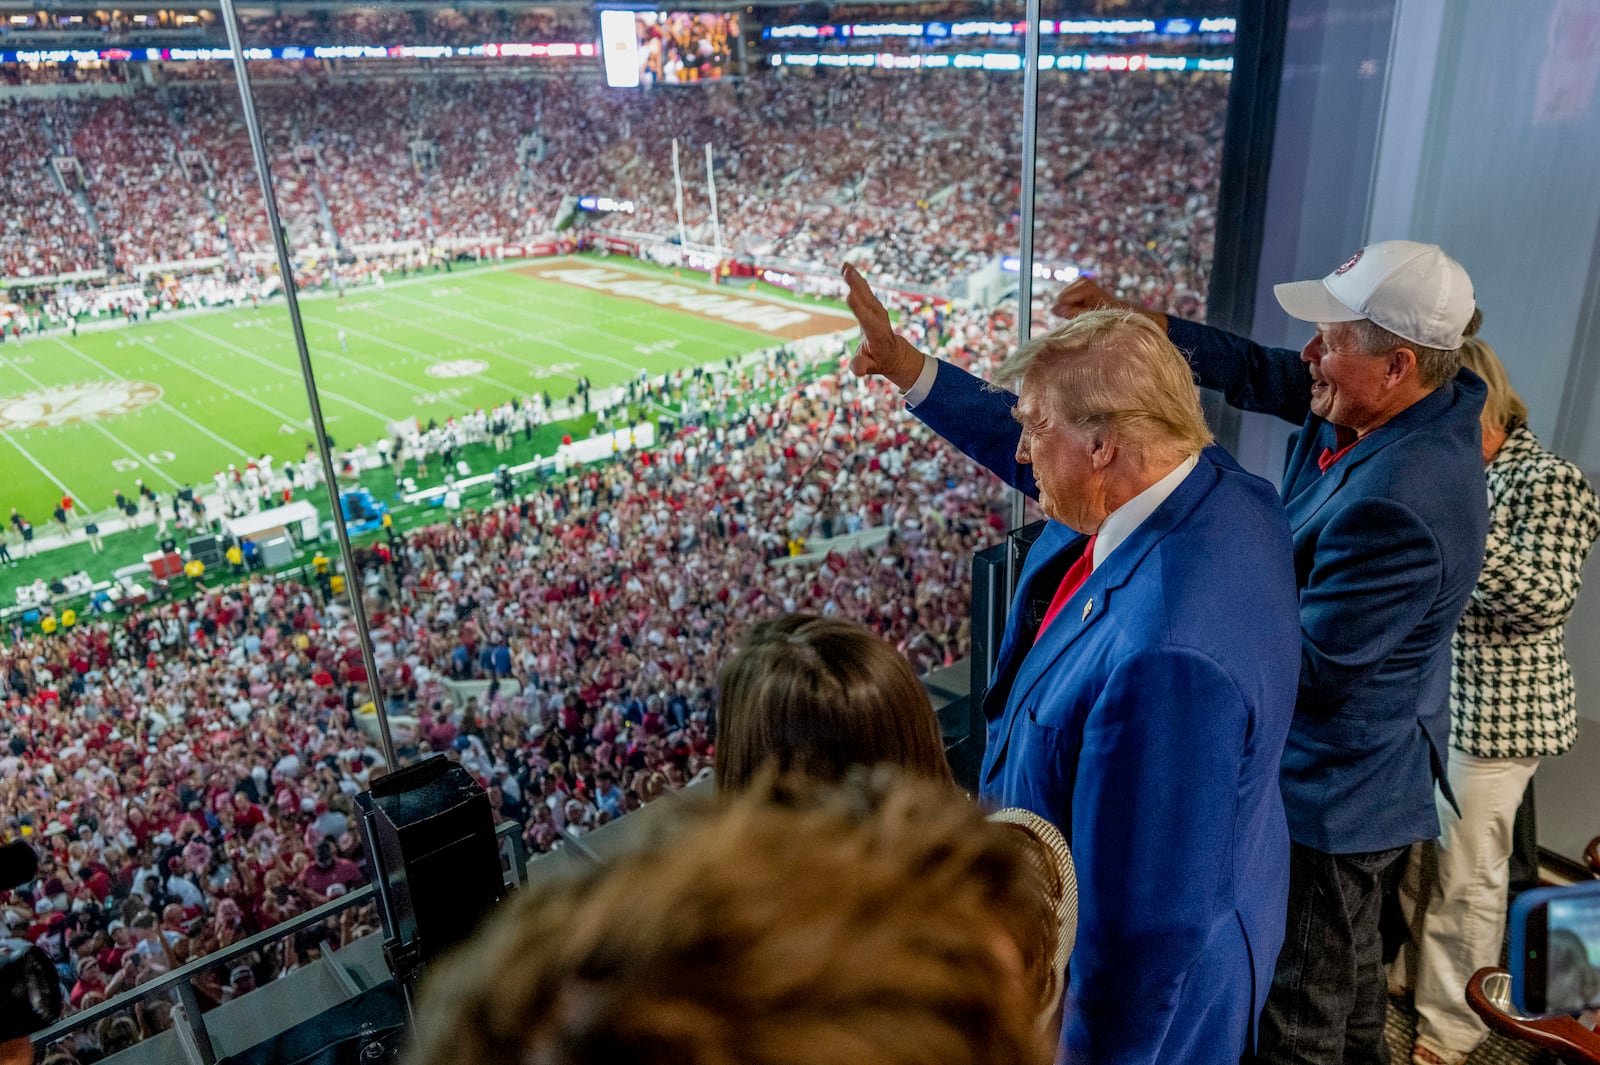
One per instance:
(1415,291)
(1385,498)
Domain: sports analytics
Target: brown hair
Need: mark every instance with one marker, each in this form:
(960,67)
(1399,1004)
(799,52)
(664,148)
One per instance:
(846,929)
(1503,409)
(1116,369)
(816,696)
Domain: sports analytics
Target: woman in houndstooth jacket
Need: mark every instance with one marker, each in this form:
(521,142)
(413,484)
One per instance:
(1512,702)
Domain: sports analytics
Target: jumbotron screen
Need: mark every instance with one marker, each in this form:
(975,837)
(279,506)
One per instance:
(646,48)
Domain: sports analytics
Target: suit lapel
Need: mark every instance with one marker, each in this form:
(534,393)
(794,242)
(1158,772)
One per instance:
(1314,493)
(1302,507)
(1052,553)
(1098,593)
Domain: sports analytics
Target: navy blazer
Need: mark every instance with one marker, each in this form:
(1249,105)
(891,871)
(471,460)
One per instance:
(1387,548)
(1148,722)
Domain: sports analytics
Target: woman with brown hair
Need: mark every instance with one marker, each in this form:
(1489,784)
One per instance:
(824,699)
(818,696)
(876,924)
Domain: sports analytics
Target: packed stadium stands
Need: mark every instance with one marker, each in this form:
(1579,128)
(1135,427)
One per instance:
(213,743)
(1127,172)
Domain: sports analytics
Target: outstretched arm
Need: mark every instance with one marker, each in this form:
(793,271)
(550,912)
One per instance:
(1251,376)
(962,409)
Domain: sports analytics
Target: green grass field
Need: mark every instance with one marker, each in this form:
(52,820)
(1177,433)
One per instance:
(77,414)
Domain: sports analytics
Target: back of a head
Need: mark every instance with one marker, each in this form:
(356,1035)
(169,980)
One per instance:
(843,929)
(1502,408)
(819,696)
(1116,369)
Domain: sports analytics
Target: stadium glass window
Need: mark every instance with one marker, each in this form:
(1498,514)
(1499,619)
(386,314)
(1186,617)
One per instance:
(587,269)
(1132,109)
(568,283)
(168,649)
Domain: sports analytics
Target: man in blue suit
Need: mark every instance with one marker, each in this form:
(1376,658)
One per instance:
(1385,496)
(1146,680)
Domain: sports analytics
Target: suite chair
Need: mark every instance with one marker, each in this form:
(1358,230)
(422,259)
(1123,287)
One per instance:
(1489,995)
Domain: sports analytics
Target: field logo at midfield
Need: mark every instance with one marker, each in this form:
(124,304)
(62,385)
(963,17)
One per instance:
(457,368)
(50,408)
(758,314)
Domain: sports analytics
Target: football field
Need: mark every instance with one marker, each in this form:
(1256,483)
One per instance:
(174,399)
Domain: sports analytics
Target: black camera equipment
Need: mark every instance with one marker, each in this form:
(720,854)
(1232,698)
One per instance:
(30,990)
(429,832)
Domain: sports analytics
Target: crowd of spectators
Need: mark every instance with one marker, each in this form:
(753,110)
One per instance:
(188,768)
(807,166)
(42,228)
(353,26)
(215,744)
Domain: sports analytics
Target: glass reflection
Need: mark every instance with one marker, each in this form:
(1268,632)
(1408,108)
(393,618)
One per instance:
(1131,112)
(569,282)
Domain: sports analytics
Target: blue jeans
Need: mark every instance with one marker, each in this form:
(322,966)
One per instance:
(1329,1001)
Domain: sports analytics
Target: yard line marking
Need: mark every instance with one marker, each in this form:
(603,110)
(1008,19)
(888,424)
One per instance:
(160,403)
(649,316)
(25,453)
(247,353)
(495,348)
(597,328)
(434,359)
(293,419)
(109,435)
(525,338)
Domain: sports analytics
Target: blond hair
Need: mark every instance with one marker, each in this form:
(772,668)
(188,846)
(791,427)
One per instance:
(1115,369)
(844,929)
(1504,409)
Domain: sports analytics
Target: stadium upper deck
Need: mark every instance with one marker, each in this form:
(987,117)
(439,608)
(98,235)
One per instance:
(162,173)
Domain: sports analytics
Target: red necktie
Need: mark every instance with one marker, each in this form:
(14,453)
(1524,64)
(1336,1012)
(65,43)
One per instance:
(1345,439)
(1076,575)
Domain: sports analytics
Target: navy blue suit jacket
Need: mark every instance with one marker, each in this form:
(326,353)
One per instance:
(1387,548)
(1148,723)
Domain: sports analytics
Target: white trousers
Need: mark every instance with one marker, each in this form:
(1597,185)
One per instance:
(1465,918)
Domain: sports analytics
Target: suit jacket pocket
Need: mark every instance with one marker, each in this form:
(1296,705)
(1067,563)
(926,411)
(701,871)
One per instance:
(1038,734)
(1043,770)
(1346,732)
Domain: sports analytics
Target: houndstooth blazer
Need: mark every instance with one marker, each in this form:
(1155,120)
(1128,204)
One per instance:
(1511,690)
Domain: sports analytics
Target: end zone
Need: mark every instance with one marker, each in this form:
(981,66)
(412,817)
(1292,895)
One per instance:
(785,319)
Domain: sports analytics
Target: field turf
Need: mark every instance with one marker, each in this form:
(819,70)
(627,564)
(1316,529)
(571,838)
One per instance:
(79,415)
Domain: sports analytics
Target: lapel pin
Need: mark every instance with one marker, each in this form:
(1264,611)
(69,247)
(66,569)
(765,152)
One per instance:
(1087,607)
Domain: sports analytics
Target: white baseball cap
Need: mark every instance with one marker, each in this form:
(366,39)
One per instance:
(1413,290)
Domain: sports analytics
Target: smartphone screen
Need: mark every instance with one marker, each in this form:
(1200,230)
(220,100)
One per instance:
(1556,950)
